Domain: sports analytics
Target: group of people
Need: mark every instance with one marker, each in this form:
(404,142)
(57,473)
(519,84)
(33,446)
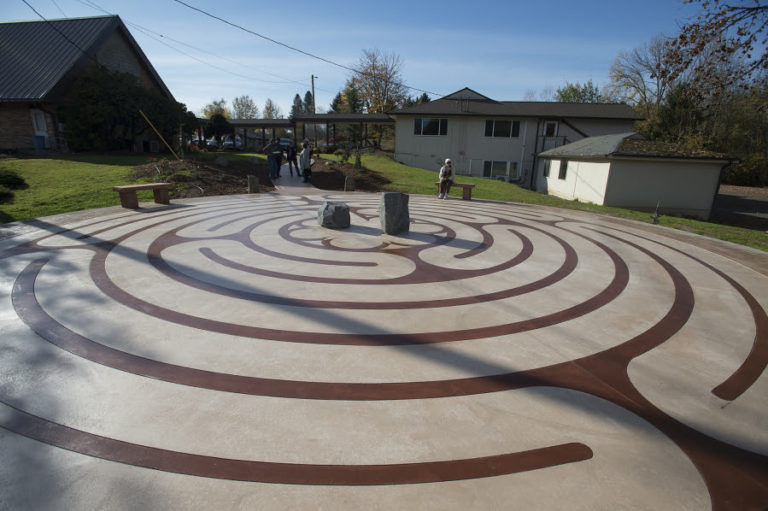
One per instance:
(274,151)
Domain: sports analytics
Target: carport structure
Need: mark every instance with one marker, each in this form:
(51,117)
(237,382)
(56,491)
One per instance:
(330,121)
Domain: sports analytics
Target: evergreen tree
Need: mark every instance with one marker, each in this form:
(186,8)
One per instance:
(298,107)
(309,103)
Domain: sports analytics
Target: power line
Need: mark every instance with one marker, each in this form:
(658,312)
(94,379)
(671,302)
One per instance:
(62,34)
(235,25)
(160,38)
(59,8)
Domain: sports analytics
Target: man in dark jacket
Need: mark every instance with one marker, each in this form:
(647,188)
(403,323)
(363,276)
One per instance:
(291,157)
(274,156)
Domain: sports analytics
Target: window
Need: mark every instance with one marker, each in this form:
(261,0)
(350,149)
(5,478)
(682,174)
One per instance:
(550,129)
(503,129)
(494,169)
(563,169)
(425,126)
(547,164)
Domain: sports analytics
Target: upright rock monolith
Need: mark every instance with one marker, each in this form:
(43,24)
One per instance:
(334,215)
(393,212)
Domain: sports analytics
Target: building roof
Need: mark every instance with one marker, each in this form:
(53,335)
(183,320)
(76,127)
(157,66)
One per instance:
(36,55)
(311,119)
(343,118)
(626,145)
(467,102)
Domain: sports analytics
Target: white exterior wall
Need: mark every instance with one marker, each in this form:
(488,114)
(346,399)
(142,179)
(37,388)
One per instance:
(585,181)
(465,143)
(682,187)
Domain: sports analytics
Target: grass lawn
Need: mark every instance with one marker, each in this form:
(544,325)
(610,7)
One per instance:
(412,180)
(77,182)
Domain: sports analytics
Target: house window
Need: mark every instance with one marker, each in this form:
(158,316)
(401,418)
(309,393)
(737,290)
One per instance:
(504,129)
(547,165)
(563,169)
(550,129)
(425,126)
(495,169)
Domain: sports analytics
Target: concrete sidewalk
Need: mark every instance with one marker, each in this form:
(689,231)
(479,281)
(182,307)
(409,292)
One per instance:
(229,353)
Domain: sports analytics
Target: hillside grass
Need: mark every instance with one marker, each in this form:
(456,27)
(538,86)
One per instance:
(77,182)
(419,181)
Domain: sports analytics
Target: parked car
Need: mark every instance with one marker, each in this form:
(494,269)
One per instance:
(212,145)
(284,143)
(232,144)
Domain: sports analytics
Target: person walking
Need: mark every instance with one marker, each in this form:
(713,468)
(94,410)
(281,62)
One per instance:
(274,154)
(290,155)
(446,179)
(305,160)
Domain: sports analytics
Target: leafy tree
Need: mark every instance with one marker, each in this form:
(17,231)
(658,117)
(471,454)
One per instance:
(379,82)
(309,103)
(337,105)
(219,126)
(102,111)
(244,107)
(676,120)
(578,93)
(298,106)
(353,101)
(216,107)
(724,31)
(271,110)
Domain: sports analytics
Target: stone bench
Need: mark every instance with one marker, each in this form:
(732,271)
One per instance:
(466,189)
(128,198)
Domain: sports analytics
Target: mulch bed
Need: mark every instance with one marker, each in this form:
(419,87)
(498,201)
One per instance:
(205,178)
(328,175)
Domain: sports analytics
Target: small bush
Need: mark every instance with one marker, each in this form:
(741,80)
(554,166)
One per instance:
(11,180)
(751,171)
(180,177)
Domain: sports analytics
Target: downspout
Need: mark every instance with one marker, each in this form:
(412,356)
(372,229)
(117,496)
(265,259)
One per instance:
(535,165)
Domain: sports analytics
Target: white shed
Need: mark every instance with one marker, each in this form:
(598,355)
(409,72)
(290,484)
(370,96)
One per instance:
(627,171)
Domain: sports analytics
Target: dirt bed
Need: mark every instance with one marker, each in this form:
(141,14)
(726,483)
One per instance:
(328,175)
(197,179)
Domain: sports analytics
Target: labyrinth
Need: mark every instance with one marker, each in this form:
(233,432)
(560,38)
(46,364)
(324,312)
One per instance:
(232,353)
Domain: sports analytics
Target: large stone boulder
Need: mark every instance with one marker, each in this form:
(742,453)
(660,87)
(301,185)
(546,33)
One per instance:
(334,215)
(393,213)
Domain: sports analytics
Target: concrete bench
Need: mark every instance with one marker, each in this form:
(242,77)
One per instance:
(128,198)
(466,192)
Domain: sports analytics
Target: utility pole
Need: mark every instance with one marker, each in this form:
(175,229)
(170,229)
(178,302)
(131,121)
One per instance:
(314,109)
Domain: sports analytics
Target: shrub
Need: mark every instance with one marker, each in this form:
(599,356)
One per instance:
(751,171)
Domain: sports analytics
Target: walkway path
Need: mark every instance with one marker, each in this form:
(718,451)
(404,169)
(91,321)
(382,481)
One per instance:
(228,353)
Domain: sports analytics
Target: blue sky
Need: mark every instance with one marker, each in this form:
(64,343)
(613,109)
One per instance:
(502,49)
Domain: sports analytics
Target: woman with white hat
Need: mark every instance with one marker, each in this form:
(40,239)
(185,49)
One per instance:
(446,179)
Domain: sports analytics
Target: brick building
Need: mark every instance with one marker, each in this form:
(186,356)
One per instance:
(40,62)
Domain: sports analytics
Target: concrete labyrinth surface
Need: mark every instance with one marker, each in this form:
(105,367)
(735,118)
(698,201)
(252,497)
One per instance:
(231,353)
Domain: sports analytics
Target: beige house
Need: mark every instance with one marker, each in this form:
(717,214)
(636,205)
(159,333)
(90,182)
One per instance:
(498,139)
(630,172)
(41,59)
